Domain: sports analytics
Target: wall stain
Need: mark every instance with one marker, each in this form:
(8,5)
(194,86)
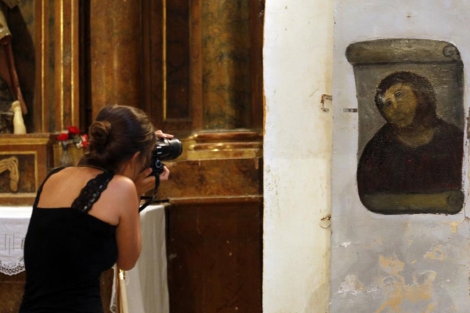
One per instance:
(421,289)
(436,253)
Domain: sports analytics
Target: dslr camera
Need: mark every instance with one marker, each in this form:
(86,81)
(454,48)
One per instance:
(165,149)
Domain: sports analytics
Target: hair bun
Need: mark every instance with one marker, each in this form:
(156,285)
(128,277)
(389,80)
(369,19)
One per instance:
(100,133)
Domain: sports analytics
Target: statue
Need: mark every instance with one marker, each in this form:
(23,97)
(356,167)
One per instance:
(12,105)
(6,116)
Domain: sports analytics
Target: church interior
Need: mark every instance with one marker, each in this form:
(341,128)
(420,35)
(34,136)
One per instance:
(245,85)
(195,67)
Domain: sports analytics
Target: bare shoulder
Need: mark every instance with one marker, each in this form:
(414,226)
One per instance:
(122,184)
(122,192)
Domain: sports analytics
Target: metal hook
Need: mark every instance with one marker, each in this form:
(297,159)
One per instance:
(323,98)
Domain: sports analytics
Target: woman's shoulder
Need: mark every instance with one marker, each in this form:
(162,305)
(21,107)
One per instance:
(67,177)
(122,183)
(122,190)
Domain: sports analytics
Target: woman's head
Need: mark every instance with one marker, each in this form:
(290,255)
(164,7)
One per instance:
(117,134)
(405,99)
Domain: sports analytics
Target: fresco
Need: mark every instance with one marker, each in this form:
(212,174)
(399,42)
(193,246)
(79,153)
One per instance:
(410,104)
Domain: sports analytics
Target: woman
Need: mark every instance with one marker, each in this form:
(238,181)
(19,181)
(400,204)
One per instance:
(85,219)
(414,156)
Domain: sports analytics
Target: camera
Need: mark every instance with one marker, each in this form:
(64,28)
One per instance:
(165,149)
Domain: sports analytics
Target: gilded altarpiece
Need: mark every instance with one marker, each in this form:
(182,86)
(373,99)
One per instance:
(44,44)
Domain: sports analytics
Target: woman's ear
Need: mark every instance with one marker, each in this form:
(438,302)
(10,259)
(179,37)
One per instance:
(135,157)
(131,167)
(136,160)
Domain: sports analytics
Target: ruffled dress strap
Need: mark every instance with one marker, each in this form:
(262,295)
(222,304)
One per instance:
(92,192)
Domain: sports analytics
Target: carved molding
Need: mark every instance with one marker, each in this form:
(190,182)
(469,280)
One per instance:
(11,164)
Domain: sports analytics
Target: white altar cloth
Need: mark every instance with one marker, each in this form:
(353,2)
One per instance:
(14,223)
(146,283)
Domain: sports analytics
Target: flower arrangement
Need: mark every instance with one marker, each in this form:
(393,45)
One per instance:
(73,136)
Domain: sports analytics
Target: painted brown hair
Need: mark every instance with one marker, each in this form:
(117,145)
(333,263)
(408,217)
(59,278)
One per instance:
(422,88)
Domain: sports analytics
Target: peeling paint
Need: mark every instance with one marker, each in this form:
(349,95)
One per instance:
(351,285)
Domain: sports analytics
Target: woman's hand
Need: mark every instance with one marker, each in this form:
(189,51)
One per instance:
(144,182)
(161,134)
(165,174)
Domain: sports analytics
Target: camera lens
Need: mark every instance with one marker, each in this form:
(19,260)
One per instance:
(168,149)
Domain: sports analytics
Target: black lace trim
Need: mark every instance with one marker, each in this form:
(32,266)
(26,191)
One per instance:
(92,192)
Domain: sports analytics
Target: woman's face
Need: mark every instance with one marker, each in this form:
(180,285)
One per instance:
(399,105)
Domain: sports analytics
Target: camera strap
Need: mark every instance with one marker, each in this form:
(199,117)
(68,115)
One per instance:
(152,198)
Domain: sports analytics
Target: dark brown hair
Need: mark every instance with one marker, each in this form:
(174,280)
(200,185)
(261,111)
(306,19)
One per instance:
(119,132)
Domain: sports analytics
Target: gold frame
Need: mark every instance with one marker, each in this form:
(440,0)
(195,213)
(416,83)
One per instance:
(57,107)
(36,145)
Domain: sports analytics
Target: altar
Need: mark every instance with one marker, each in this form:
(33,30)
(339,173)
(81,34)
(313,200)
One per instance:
(13,226)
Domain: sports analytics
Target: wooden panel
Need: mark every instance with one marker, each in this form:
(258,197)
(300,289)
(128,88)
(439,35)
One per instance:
(11,291)
(56,100)
(196,65)
(66,65)
(44,72)
(25,161)
(152,60)
(214,251)
(115,48)
(177,60)
(210,178)
(85,64)
(166,64)
(256,49)
(202,64)
(226,64)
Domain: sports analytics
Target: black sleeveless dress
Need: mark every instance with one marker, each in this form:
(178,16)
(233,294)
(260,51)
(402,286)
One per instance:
(65,252)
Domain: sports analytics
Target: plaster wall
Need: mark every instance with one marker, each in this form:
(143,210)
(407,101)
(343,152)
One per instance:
(298,46)
(393,263)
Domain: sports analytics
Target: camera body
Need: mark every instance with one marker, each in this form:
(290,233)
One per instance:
(165,149)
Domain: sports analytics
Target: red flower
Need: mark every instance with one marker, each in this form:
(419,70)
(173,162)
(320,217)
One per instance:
(73,136)
(73,130)
(63,136)
(84,140)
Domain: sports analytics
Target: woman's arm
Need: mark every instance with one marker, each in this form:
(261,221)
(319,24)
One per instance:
(128,235)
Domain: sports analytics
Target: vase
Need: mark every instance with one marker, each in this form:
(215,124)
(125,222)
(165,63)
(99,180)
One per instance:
(65,159)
